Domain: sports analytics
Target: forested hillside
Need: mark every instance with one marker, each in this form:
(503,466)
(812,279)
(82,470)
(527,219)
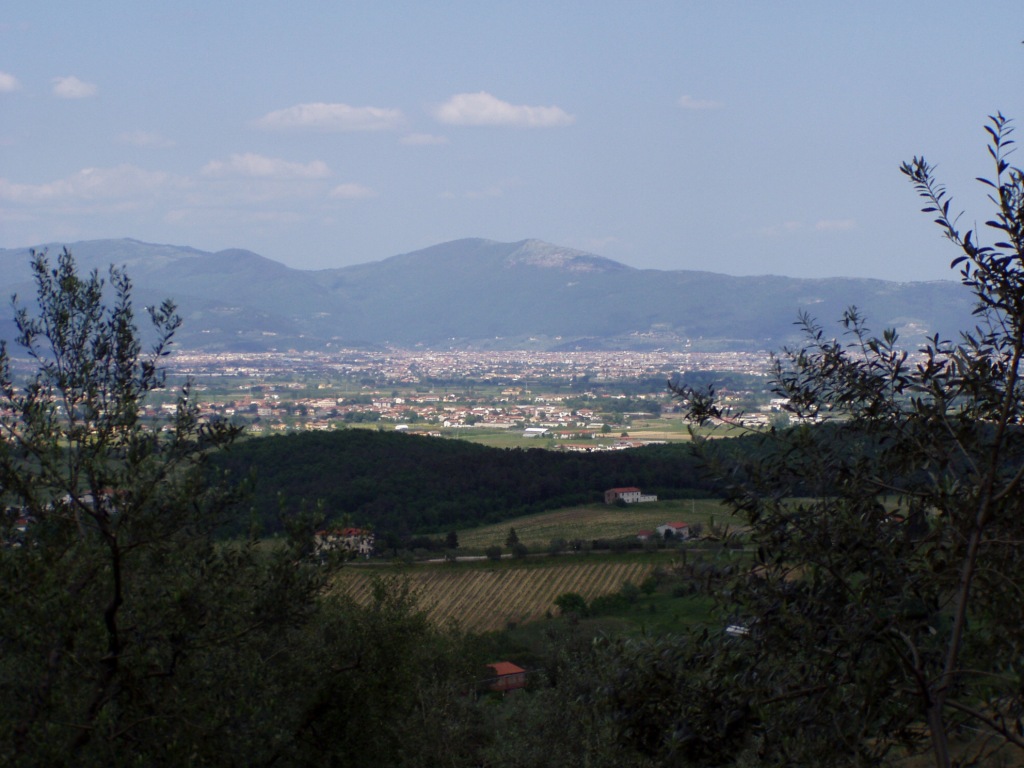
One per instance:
(406,484)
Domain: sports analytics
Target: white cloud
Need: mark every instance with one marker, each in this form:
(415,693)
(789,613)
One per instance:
(258,166)
(352,191)
(122,181)
(422,139)
(145,139)
(332,117)
(8,83)
(72,88)
(484,109)
(689,102)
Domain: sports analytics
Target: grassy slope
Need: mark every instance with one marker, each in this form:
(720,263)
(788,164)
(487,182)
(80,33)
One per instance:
(592,521)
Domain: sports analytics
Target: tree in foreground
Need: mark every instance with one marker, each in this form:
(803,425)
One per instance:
(131,635)
(884,610)
(123,624)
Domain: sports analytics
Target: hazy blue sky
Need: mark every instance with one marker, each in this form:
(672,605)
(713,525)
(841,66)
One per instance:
(740,137)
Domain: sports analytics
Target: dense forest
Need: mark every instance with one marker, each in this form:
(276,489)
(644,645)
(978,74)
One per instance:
(406,484)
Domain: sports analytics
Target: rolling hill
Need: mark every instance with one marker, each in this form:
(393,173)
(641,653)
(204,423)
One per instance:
(476,293)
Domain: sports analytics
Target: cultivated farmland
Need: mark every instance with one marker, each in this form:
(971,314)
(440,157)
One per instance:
(593,521)
(485,599)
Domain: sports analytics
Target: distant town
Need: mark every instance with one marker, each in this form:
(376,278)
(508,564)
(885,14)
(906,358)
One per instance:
(581,400)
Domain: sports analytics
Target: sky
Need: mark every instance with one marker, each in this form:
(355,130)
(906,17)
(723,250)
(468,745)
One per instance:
(744,138)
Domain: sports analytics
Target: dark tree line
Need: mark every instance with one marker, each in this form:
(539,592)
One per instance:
(411,484)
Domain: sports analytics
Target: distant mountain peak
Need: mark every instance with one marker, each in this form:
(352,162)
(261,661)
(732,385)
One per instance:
(484,294)
(537,253)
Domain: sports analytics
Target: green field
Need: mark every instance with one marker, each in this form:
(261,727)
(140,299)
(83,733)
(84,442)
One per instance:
(594,521)
(482,595)
(650,430)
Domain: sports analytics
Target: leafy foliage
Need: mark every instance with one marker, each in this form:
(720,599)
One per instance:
(122,623)
(571,602)
(888,540)
(129,635)
(380,686)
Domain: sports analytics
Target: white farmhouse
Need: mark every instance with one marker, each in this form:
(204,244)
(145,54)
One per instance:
(630,495)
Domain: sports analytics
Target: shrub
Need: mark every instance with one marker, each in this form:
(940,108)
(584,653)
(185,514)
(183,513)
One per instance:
(571,603)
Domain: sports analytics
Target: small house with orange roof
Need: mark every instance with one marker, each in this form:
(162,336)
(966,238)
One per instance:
(507,676)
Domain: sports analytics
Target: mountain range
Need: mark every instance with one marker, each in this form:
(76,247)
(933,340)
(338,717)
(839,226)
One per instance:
(476,293)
